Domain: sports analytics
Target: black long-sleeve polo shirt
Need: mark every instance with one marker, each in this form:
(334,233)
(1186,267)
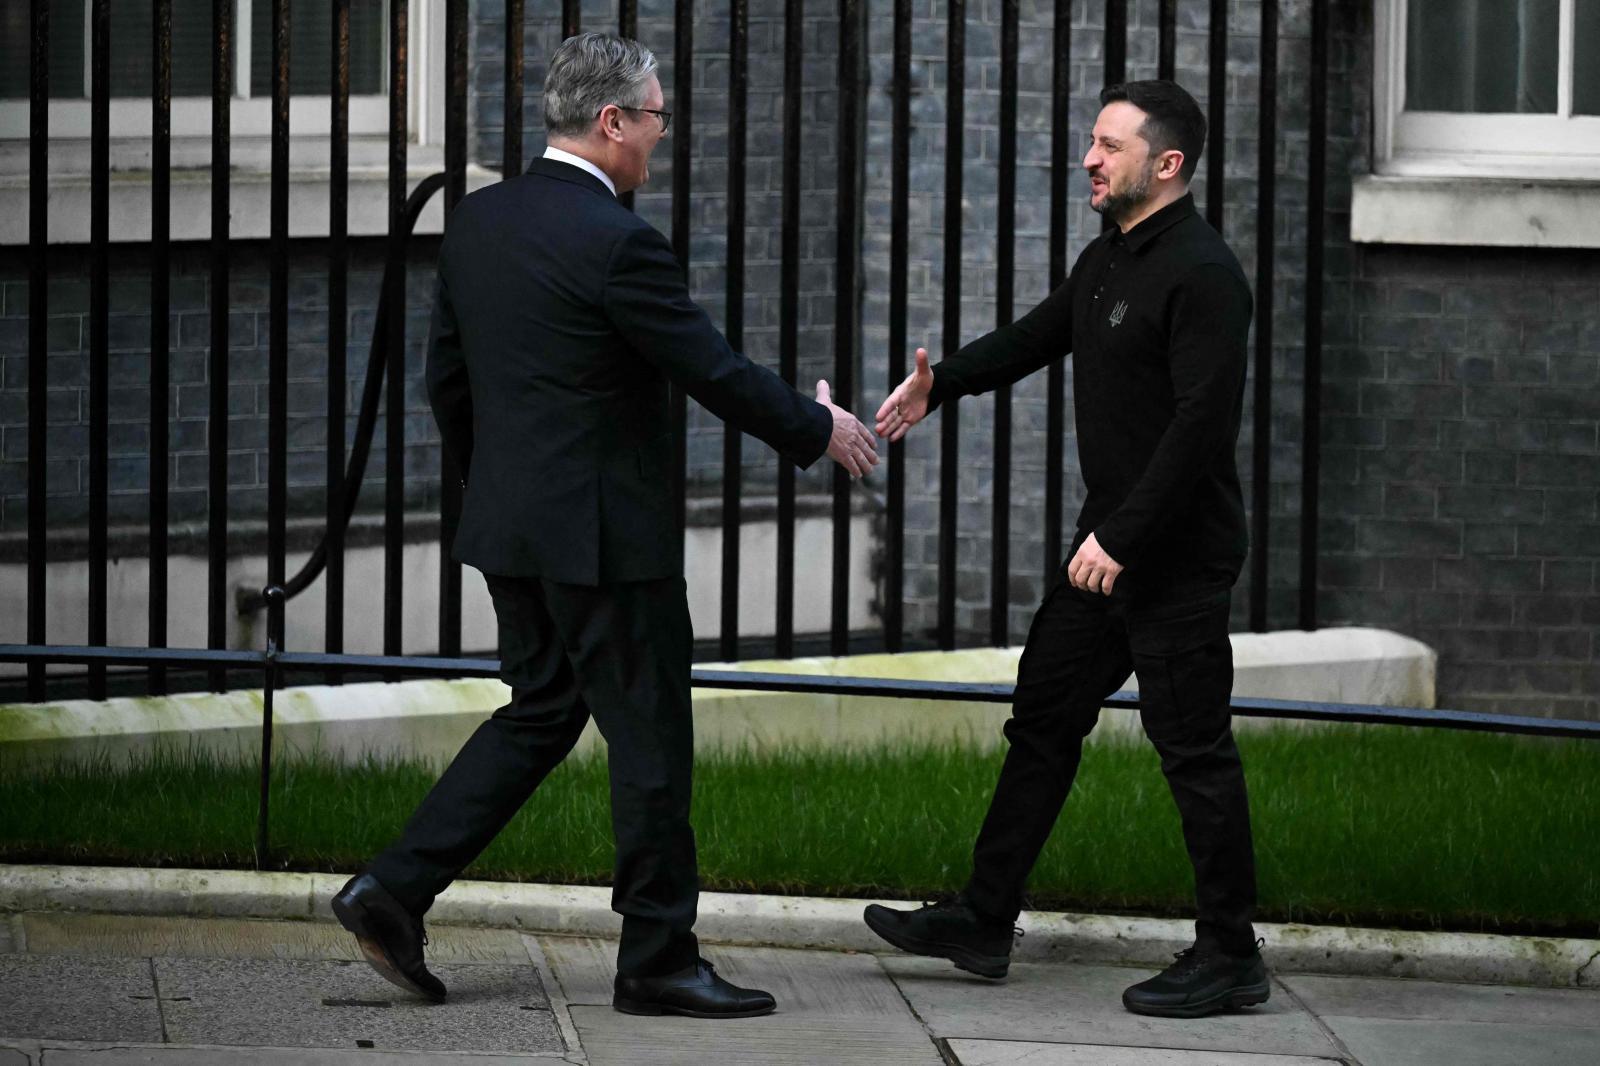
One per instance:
(1156,320)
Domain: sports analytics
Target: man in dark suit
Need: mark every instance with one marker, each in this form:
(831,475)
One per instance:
(560,319)
(1155,314)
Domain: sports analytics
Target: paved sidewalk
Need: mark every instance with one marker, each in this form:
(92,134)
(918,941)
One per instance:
(99,990)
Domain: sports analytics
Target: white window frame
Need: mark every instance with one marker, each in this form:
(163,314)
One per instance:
(1447,144)
(249,155)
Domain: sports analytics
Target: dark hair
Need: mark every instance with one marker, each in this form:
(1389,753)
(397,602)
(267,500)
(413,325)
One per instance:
(1172,118)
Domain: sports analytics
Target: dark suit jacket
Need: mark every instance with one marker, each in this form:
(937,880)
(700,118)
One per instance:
(560,318)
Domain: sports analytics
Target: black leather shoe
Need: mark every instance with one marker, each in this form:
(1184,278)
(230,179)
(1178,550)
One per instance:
(391,937)
(694,992)
(947,928)
(1203,981)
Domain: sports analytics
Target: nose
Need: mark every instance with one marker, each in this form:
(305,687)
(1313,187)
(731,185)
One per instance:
(1091,158)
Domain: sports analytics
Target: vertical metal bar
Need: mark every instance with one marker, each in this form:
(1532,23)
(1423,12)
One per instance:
(682,115)
(847,261)
(277,404)
(1167,61)
(1217,113)
(99,327)
(733,314)
(455,187)
(899,254)
(789,307)
(395,328)
(1116,41)
(1116,69)
(1056,375)
(278,310)
(338,326)
(160,338)
(38,333)
(217,416)
(269,685)
(515,13)
(571,18)
(1005,282)
(628,26)
(1316,204)
(1266,237)
(950,413)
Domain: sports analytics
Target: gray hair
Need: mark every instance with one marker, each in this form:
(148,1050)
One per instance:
(590,71)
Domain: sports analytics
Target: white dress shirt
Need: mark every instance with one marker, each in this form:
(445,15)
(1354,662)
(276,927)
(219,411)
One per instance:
(581,163)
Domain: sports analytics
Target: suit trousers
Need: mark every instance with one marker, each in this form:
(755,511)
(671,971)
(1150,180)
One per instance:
(621,653)
(1081,647)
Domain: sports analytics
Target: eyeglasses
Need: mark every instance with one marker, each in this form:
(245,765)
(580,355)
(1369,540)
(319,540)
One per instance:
(665,117)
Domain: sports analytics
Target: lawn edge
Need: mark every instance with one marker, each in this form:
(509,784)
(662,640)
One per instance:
(808,922)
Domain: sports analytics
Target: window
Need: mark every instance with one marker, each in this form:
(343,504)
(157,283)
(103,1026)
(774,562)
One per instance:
(310,70)
(310,79)
(1493,88)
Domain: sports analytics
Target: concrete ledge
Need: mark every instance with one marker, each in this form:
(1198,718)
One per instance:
(805,922)
(431,719)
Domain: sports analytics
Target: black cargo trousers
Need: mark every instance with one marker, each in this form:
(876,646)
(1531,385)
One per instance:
(1080,648)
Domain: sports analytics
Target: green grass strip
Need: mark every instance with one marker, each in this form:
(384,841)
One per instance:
(1374,826)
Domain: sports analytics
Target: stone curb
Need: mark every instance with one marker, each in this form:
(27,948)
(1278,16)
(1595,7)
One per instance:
(805,922)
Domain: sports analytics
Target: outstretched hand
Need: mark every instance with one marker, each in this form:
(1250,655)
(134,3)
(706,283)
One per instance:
(908,404)
(851,446)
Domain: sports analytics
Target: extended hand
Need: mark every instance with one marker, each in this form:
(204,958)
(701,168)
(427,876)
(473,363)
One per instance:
(1092,569)
(908,404)
(851,446)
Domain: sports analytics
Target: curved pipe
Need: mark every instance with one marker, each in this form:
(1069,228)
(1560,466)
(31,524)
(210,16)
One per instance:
(250,600)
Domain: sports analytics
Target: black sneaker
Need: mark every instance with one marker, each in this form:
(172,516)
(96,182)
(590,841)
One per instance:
(1203,981)
(947,928)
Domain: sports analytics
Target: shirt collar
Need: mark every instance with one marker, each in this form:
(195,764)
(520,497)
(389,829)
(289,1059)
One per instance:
(1148,230)
(581,163)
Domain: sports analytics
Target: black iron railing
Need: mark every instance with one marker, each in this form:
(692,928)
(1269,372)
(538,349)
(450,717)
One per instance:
(388,362)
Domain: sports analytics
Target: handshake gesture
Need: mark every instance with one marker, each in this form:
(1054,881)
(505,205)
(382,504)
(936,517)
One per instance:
(851,446)
(855,449)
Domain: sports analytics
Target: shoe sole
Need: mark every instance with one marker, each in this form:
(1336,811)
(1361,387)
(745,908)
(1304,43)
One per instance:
(1232,999)
(993,967)
(653,1010)
(353,916)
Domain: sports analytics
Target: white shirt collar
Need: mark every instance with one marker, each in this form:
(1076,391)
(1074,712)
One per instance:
(581,163)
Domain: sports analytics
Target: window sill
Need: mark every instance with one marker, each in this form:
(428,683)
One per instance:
(250,216)
(1475,212)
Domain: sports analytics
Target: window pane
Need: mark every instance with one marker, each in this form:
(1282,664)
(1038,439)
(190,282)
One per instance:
(1586,59)
(66,48)
(1482,56)
(311,47)
(133,48)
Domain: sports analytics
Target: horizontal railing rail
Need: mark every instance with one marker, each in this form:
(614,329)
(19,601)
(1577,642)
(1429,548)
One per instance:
(889,688)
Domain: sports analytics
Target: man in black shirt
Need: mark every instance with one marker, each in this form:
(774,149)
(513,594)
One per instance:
(1156,314)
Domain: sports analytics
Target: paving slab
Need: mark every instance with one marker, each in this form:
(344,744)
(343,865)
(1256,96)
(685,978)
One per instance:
(612,1039)
(833,1009)
(239,938)
(803,982)
(123,1055)
(1379,997)
(1083,1005)
(9,940)
(15,1057)
(66,998)
(335,1004)
(1025,1053)
(1390,1042)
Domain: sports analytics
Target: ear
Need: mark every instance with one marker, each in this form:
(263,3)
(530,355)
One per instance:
(1171,164)
(611,122)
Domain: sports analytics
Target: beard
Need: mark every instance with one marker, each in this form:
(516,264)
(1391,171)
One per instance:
(1118,205)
